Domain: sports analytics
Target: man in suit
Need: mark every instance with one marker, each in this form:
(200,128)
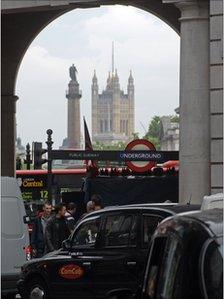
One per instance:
(38,232)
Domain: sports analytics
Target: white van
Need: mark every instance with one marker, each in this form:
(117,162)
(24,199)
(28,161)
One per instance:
(14,235)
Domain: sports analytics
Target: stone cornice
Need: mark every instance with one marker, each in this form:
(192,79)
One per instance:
(191,9)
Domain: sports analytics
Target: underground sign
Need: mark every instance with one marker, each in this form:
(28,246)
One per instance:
(71,271)
(139,145)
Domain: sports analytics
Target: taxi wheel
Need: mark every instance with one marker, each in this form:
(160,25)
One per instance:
(37,289)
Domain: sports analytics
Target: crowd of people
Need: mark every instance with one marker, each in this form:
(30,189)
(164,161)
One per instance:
(55,224)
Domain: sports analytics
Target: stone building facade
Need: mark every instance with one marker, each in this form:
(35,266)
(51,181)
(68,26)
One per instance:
(113,111)
(169,134)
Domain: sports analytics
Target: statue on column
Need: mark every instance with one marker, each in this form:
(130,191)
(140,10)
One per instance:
(72,73)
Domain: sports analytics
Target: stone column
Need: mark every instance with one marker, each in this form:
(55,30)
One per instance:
(216,94)
(8,134)
(194,102)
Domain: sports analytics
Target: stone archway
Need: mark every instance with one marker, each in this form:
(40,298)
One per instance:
(21,24)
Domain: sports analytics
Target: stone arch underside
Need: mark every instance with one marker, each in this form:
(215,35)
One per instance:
(200,79)
(20,27)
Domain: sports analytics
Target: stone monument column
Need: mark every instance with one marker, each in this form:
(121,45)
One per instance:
(194,101)
(94,102)
(73,95)
(8,134)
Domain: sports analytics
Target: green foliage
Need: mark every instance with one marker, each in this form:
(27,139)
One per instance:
(153,135)
(154,130)
(154,127)
(154,140)
(175,118)
(135,135)
(100,146)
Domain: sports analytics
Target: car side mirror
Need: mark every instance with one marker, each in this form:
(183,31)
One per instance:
(67,244)
(121,294)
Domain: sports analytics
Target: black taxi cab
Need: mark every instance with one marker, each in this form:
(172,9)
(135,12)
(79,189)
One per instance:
(107,250)
(185,259)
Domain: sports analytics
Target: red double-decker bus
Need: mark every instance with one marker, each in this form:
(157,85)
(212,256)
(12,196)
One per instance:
(33,183)
(157,186)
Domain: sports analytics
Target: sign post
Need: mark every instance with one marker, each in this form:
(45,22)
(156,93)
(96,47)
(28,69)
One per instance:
(28,161)
(49,143)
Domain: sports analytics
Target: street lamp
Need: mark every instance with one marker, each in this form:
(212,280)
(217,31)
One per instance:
(49,143)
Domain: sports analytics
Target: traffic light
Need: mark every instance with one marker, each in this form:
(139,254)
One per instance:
(38,153)
(18,163)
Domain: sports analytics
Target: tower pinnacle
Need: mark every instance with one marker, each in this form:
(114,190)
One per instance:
(109,81)
(130,79)
(116,75)
(94,77)
(112,58)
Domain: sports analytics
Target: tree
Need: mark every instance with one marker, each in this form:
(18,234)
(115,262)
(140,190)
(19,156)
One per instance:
(155,141)
(175,118)
(106,147)
(154,131)
(154,127)
(135,135)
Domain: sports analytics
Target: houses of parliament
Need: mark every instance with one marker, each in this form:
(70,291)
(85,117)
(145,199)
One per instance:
(113,110)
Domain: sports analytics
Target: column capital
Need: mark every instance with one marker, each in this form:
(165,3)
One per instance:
(191,9)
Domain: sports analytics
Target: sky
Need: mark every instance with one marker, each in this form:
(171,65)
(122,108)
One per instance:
(143,43)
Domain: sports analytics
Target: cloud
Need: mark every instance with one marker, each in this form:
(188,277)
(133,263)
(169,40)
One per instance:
(143,43)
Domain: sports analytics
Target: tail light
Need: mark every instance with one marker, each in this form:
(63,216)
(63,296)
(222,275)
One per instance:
(30,228)
(28,252)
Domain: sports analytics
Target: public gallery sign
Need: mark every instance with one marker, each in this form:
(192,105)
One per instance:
(121,156)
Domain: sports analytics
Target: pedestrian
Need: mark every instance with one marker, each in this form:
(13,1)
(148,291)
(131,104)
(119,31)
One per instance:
(89,207)
(70,216)
(97,202)
(56,230)
(38,231)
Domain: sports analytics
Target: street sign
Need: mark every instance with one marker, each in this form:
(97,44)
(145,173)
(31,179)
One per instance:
(145,146)
(121,156)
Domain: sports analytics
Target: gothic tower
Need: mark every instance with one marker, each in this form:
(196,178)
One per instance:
(113,109)
(131,98)
(73,95)
(116,103)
